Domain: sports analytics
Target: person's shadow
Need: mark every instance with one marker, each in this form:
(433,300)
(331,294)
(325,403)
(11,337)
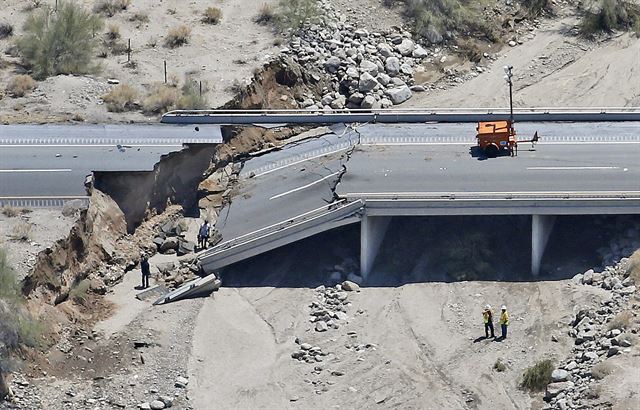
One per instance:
(499,339)
(480,339)
(139,287)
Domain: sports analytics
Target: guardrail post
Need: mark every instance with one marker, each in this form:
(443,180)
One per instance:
(541,227)
(372,230)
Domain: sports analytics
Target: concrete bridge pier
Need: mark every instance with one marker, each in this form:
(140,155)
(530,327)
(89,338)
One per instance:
(541,227)
(372,231)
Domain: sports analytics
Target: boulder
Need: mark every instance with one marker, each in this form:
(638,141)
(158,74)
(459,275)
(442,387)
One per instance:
(144,406)
(158,241)
(399,95)
(383,79)
(613,350)
(181,382)
(352,72)
(406,47)
(554,389)
(332,64)
(367,66)
(321,326)
(587,277)
(406,69)
(339,102)
(432,35)
(350,286)
(165,267)
(392,66)
(560,375)
(385,50)
(367,82)
(167,400)
(419,52)
(157,405)
(368,102)
(587,356)
(169,243)
(186,247)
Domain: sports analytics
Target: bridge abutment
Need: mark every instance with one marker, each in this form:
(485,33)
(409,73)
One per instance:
(541,227)
(372,231)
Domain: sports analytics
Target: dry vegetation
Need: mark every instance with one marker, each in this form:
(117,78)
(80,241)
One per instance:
(609,15)
(177,36)
(21,231)
(13,211)
(621,321)
(161,99)
(111,7)
(266,15)
(6,30)
(121,98)
(602,370)
(212,15)
(20,85)
(538,376)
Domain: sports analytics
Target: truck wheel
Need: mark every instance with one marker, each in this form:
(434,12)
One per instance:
(491,151)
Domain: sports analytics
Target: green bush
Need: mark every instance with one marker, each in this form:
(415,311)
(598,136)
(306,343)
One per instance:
(111,7)
(499,366)
(538,376)
(191,98)
(293,14)
(609,15)
(61,42)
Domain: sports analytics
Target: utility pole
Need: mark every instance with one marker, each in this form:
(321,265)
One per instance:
(507,77)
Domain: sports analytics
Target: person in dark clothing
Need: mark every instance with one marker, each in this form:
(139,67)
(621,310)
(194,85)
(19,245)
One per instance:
(203,235)
(146,271)
(487,317)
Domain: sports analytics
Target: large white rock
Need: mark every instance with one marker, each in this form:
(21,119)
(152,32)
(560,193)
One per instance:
(560,375)
(385,50)
(399,95)
(554,389)
(419,52)
(367,66)
(406,47)
(392,65)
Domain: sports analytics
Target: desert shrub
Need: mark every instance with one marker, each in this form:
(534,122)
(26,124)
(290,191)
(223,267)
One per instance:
(121,98)
(21,231)
(177,36)
(17,326)
(292,14)
(12,211)
(212,15)
(139,17)
(191,98)
(32,4)
(609,15)
(6,30)
(80,291)
(20,85)
(62,42)
(118,48)
(113,32)
(111,7)
(602,370)
(538,376)
(160,100)
(266,15)
(628,337)
(470,50)
(152,42)
(499,366)
(536,7)
(621,321)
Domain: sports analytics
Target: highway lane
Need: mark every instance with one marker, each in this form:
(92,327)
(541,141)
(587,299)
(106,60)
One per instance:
(60,171)
(445,168)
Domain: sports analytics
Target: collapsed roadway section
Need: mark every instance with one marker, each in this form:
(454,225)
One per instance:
(369,173)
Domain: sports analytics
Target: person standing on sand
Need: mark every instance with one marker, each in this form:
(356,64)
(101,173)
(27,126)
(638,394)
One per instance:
(504,322)
(487,317)
(146,271)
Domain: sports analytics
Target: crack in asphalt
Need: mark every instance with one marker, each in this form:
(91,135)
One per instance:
(347,155)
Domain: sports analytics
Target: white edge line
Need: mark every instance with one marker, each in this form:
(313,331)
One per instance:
(300,161)
(88,145)
(570,168)
(304,186)
(10,171)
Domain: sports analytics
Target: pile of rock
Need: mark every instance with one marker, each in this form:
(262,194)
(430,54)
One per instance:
(621,245)
(367,70)
(175,274)
(595,338)
(162,402)
(330,308)
(308,353)
(170,238)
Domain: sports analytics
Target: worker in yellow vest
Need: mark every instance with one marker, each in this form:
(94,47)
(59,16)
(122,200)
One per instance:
(504,321)
(487,318)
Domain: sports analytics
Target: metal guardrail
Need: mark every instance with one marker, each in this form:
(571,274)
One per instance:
(475,196)
(40,202)
(276,235)
(417,115)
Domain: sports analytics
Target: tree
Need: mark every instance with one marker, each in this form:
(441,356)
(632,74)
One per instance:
(294,13)
(61,42)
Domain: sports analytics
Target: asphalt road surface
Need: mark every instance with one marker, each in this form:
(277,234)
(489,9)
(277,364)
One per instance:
(46,164)
(428,158)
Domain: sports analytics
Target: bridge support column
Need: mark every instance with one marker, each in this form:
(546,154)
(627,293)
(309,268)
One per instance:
(541,226)
(372,230)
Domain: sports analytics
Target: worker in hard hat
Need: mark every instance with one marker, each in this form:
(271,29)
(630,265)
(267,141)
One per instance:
(504,321)
(487,317)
